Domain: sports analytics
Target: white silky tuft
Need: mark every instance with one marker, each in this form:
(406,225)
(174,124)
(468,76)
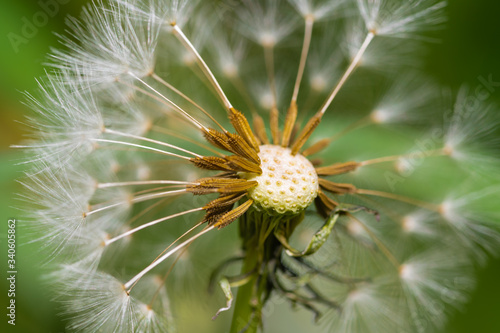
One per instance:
(370,308)
(318,10)
(409,99)
(470,133)
(98,300)
(66,121)
(109,43)
(165,12)
(395,18)
(434,286)
(264,22)
(474,222)
(62,200)
(230,54)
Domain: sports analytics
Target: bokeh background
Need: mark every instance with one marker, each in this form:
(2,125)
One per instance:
(470,48)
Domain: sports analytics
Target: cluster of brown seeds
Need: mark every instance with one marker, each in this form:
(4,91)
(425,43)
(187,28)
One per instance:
(249,172)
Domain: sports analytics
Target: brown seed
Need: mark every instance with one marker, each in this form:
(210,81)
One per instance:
(337,168)
(306,133)
(241,125)
(337,188)
(290,119)
(232,215)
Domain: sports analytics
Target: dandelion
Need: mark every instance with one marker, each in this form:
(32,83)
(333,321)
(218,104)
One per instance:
(165,125)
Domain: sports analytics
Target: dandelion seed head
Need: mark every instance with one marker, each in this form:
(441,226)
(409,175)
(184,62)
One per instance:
(138,168)
(288,184)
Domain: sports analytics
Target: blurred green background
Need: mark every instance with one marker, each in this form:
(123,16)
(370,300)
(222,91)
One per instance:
(470,48)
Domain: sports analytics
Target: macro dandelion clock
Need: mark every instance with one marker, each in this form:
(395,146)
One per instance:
(210,161)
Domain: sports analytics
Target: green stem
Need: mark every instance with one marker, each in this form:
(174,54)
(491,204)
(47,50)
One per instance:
(245,311)
(261,247)
(247,316)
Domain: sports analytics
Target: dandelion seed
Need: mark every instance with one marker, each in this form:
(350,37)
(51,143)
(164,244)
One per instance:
(471,122)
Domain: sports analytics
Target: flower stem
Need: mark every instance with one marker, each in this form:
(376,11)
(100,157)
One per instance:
(246,316)
(255,229)
(261,248)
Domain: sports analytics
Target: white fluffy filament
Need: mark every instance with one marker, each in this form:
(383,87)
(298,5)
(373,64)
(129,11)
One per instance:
(136,278)
(150,140)
(303,58)
(170,103)
(145,182)
(203,65)
(149,224)
(142,147)
(355,62)
(138,199)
